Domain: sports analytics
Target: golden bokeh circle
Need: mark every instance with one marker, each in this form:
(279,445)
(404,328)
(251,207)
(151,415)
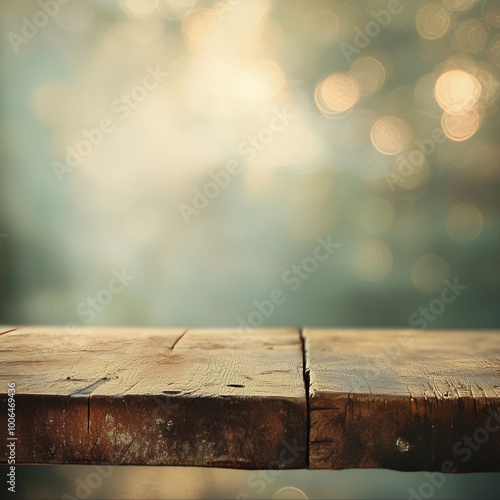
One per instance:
(464,222)
(202,28)
(429,272)
(289,493)
(337,93)
(390,135)
(372,260)
(461,127)
(433,21)
(369,73)
(457,91)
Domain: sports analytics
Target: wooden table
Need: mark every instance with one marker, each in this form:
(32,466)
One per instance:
(267,399)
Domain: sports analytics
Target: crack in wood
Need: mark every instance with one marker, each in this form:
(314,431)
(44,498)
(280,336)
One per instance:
(86,391)
(8,331)
(177,340)
(307,387)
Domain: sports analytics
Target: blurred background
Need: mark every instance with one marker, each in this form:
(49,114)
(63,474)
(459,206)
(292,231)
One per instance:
(200,148)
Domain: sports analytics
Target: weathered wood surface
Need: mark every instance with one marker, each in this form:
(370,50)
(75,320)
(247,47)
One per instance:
(156,397)
(404,400)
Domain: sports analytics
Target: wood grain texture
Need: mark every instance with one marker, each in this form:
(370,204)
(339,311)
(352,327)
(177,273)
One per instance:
(156,397)
(404,400)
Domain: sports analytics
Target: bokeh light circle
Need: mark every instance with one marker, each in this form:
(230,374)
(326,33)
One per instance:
(202,28)
(290,493)
(457,91)
(470,36)
(433,21)
(337,94)
(390,135)
(369,73)
(461,127)
(464,222)
(429,272)
(372,260)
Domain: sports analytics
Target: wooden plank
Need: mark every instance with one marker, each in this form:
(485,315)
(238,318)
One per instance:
(156,397)
(404,400)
